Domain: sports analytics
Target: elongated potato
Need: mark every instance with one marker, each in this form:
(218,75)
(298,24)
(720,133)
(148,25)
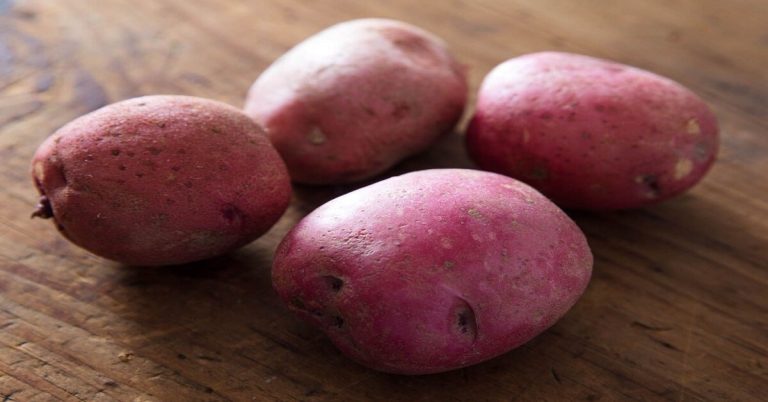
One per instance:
(356,98)
(590,133)
(161,180)
(433,270)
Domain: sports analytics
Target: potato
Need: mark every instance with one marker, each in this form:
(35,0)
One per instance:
(590,133)
(433,270)
(356,98)
(161,180)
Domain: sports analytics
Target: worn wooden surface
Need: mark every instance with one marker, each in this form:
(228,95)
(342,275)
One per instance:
(677,309)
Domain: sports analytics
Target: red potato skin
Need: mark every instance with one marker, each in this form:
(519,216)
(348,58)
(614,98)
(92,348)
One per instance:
(589,133)
(161,180)
(433,270)
(356,98)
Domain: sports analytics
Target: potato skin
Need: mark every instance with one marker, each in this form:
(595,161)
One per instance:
(161,180)
(356,98)
(589,133)
(433,270)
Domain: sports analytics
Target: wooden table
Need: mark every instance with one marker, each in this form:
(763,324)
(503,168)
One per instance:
(677,308)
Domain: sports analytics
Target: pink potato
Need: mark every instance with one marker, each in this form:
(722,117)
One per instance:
(161,180)
(356,98)
(590,133)
(433,270)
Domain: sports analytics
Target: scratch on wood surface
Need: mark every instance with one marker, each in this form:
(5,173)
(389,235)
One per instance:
(9,396)
(692,317)
(17,229)
(650,327)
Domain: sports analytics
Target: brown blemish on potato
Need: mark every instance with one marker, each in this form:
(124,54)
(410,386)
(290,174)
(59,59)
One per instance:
(115,152)
(447,264)
(334,283)
(650,183)
(316,136)
(474,213)
(60,227)
(154,150)
(316,312)
(692,127)
(464,317)
(526,136)
(683,168)
(298,303)
(232,213)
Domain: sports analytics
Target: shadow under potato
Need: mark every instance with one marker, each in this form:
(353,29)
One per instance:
(217,327)
(687,216)
(447,152)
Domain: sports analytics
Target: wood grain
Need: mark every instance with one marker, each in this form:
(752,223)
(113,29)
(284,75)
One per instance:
(677,309)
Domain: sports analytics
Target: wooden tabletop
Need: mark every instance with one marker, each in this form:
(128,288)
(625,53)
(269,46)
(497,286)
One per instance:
(677,308)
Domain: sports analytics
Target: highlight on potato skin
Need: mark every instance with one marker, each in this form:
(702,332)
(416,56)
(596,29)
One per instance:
(589,133)
(433,270)
(161,180)
(355,99)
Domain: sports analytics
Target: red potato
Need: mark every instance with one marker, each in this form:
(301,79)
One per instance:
(590,133)
(356,98)
(161,180)
(433,270)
